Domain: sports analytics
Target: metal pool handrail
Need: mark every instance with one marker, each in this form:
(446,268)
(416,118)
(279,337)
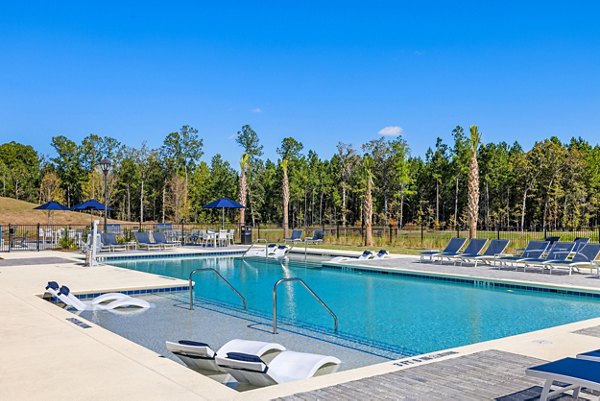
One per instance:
(221,277)
(310,291)
(256,242)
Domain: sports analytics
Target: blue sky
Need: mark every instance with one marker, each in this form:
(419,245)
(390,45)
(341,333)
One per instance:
(322,72)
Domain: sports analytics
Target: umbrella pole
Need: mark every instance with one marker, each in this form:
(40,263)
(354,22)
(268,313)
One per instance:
(223,221)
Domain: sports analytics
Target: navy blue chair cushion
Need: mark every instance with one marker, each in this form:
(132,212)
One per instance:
(52,284)
(240,356)
(189,342)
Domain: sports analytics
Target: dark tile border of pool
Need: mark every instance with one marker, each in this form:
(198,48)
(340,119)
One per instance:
(147,291)
(477,282)
(111,258)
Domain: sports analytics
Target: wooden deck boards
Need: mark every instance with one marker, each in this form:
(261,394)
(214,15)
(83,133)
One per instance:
(486,375)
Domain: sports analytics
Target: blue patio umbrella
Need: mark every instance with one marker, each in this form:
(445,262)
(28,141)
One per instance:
(91,204)
(224,203)
(51,207)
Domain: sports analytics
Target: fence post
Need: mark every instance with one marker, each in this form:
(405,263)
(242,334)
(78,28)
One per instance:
(38,237)
(498,230)
(337,230)
(182,234)
(10,237)
(421,235)
(390,233)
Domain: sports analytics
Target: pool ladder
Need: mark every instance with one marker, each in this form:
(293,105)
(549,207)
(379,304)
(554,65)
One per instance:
(254,243)
(218,275)
(310,291)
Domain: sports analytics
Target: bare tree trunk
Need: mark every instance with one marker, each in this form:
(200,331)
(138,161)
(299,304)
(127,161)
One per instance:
(456,204)
(368,215)
(164,197)
(473,184)
(321,209)
(243,194)
(343,205)
(286,202)
(401,219)
(437,201)
(128,203)
(142,203)
(523,209)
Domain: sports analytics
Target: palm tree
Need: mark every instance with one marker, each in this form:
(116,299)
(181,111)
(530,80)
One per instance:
(474,183)
(244,161)
(368,201)
(286,197)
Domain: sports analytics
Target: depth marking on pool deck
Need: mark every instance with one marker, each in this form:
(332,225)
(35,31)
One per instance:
(480,376)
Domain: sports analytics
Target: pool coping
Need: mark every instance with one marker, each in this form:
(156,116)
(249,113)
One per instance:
(475,280)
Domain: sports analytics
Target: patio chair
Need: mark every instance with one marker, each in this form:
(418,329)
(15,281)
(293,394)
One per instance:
(143,240)
(200,357)
(496,248)
(109,241)
(577,373)
(286,367)
(473,249)
(296,237)
(552,239)
(534,249)
(584,257)
(231,237)
(317,238)
(161,239)
(590,355)
(560,251)
(580,242)
(452,248)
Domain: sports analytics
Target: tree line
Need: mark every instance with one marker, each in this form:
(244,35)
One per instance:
(553,185)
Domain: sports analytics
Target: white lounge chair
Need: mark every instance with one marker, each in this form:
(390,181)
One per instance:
(53,288)
(285,367)
(364,256)
(577,373)
(201,358)
(102,302)
(382,254)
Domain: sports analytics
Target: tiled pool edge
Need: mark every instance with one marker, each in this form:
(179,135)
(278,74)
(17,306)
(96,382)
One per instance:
(475,281)
(120,258)
(146,291)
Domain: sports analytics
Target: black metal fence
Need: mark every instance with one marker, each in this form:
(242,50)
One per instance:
(46,236)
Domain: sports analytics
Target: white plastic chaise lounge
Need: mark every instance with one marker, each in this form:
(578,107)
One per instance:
(53,288)
(577,373)
(382,254)
(366,255)
(201,358)
(493,251)
(451,249)
(584,257)
(286,367)
(474,247)
(102,302)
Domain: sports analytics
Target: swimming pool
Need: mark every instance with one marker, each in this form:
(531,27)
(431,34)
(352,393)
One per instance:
(403,314)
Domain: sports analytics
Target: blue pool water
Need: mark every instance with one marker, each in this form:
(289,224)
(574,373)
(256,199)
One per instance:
(409,315)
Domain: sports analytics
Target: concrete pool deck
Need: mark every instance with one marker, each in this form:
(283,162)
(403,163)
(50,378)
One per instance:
(45,356)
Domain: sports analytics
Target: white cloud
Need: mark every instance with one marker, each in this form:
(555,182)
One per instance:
(393,130)
(256,110)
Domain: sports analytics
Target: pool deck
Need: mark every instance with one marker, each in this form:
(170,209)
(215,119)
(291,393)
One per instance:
(45,356)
